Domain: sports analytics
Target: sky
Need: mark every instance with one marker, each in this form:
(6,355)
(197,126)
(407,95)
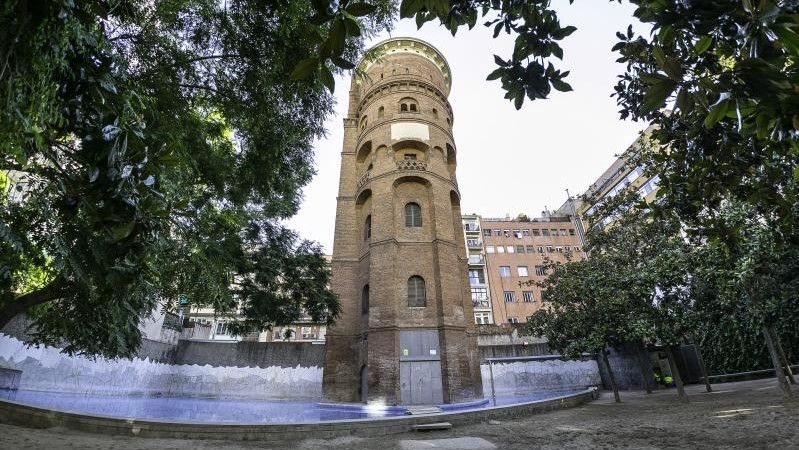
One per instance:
(509,161)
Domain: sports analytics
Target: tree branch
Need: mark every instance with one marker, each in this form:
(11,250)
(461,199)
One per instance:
(20,304)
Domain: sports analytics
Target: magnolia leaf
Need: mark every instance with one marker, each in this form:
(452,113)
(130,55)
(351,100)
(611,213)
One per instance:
(304,68)
(360,9)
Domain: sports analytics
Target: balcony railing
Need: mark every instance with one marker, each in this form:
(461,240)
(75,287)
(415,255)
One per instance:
(474,244)
(479,260)
(481,304)
(411,164)
(364,178)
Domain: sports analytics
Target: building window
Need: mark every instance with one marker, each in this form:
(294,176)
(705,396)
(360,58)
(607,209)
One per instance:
(550,249)
(365,300)
(576,248)
(510,249)
(504,271)
(536,232)
(367,228)
(435,113)
(490,249)
(517,234)
(221,327)
(482,318)
(506,233)
(568,249)
(540,249)
(540,271)
(480,297)
(413,215)
(404,107)
(522,271)
(364,122)
(559,249)
(545,232)
(416,292)
(563,232)
(409,157)
(527,297)
(554,232)
(513,320)
(571,231)
(380,112)
(525,232)
(476,276)
(530,249)
(486,231)
(500,249)
(519,249)
(510,296)
(497,232)
(413,107)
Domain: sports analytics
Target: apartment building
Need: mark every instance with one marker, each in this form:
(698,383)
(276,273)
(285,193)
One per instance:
(506,259)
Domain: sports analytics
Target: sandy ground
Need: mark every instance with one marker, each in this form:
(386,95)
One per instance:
(744,415)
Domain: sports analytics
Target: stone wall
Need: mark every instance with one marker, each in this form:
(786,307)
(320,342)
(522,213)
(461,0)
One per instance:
(250,354)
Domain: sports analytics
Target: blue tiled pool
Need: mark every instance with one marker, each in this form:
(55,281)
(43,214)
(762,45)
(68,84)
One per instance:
(229,410)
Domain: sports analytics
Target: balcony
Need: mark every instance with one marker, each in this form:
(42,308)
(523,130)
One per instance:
(474,244)
(411,164)
(481,304)
(477,261)
(471,227)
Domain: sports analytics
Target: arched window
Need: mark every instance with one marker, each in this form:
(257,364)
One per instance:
(364,122)
(367,228)
(416,292)
(413,107)
(435,113)
(380,112)
(365,300)
(413,215)
(404,107)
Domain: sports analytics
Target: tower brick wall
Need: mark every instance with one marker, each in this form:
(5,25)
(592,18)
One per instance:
(399,149)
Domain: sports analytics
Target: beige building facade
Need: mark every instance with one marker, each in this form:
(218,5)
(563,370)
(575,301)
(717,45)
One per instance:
(515,253)
(406,333)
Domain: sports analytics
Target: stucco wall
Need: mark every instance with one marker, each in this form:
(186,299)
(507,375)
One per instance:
(525,377)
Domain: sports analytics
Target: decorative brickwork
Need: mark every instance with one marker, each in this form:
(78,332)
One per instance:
(398,160)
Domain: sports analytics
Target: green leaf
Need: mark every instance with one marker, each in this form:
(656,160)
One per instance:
(717,112)
(360,9)
(122,231)
(788,39)
(561,85)
(409,8)
(343,63)
(352,26)
(703,44)
(338,36)
(497,73)
(304,68)
(657,94)
(327,79)
(669,65)
(500,62)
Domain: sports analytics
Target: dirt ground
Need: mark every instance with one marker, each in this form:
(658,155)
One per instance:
(744,415)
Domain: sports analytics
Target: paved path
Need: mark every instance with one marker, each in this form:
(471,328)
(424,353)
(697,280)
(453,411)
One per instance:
(745,415)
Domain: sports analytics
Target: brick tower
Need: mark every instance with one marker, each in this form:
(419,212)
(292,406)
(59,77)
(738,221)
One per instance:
(406,334)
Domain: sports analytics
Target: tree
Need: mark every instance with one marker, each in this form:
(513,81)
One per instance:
(634,287)
(158,146)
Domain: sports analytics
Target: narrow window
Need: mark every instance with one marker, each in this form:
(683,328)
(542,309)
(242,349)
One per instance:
(504,271)
(380,112)
(413,107)
(510,297)
(365,300)
(519,249)
(540,271)
(404,107)
(522,270)
(367,228)
(413,215)
(536,232)
(527,296)
(435,113)
(486,231)
(416,292)
(530,249)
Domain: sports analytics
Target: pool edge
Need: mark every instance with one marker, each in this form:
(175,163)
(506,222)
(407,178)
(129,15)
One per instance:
(13,413)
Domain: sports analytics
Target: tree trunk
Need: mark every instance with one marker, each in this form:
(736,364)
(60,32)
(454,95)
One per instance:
(613,384)
(675,373)
(783,358)
(51,292)
(644,362)
(775,359)
(702,367)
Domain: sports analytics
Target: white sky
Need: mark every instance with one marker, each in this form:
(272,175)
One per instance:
(509,161)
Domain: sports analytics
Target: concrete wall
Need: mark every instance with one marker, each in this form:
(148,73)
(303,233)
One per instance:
(47,369)
(631,367)
(527,377)
(250,354)
(516,350)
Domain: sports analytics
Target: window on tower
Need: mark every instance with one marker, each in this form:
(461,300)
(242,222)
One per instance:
(367,228)
(380,112)
(404,107)
(413,107)
(365,300)
(416,292)
(413,215)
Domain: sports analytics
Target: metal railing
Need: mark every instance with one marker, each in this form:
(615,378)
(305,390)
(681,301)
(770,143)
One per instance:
(411,164)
